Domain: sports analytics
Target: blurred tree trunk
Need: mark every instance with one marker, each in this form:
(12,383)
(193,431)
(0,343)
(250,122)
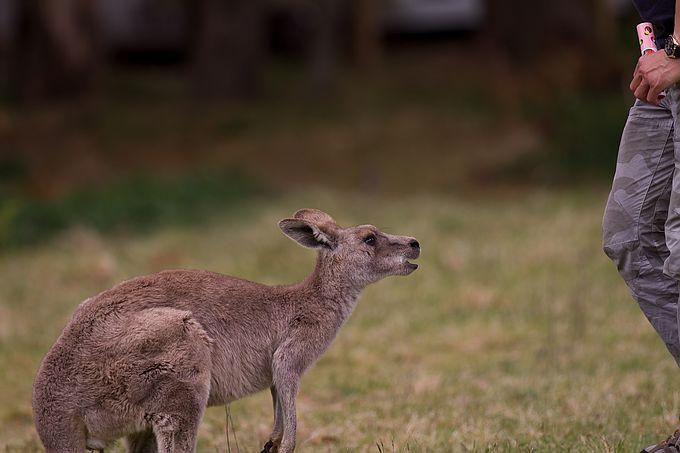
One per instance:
(55,49)
(565,35)
(228,48)
(324,43)
(367,31)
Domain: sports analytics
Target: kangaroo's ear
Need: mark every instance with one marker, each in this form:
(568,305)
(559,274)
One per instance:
(318,218)
(308,234)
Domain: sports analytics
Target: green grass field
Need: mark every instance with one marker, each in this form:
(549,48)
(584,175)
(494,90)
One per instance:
(516,333)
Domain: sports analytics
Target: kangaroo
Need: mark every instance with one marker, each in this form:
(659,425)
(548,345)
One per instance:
(143,359)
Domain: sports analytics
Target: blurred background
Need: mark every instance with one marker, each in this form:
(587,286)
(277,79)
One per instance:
(139,135)
(375,95)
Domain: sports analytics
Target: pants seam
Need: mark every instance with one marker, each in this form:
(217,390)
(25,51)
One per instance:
(669,181)
(644,200)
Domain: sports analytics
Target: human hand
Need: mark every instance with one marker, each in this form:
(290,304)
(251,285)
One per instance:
(654,73)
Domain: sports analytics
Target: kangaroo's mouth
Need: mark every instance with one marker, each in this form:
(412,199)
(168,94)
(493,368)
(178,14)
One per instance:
(409,266)
(404,265)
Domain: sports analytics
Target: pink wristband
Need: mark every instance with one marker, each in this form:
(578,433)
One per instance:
(647,40)
(645,32)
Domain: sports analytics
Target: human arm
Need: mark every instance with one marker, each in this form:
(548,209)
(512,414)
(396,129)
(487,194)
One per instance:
(656,71)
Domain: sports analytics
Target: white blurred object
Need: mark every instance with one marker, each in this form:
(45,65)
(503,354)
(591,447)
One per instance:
(433,15)
(449,15)
(142,24)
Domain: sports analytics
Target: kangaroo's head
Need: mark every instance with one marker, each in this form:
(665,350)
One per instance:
(361,254)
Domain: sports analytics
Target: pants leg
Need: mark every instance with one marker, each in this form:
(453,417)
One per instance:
(672,262)
(635,218)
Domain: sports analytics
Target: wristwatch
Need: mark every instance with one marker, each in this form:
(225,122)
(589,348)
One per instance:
(672,47)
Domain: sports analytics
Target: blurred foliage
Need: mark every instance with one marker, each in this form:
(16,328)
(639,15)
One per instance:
(585,130)
(582,126)
(582,133)
(450,137)
(141,202)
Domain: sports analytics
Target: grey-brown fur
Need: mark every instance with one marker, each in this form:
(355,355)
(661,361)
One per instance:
(144,358)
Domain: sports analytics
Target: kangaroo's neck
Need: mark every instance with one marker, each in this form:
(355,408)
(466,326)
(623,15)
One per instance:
(332,288)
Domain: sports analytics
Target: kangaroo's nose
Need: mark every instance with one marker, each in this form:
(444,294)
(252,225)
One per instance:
(415,244)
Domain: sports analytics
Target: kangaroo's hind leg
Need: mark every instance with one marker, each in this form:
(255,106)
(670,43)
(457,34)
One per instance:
(172,381)
(61,433)
(175,422)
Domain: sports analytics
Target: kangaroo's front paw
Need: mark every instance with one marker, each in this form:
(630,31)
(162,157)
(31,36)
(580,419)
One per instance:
(270,447)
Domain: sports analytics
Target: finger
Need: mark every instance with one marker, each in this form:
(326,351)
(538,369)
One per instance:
(635,83)
(642,90)
(653,94)
(637,77)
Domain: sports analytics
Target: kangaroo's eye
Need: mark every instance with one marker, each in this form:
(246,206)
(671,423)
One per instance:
(369,240)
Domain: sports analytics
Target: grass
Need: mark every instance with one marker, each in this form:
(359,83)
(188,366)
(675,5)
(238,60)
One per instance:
(515,335)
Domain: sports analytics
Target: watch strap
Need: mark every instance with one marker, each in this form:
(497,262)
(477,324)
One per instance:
(672,47)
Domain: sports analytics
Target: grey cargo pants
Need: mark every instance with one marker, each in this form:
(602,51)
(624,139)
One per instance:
(641,226)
